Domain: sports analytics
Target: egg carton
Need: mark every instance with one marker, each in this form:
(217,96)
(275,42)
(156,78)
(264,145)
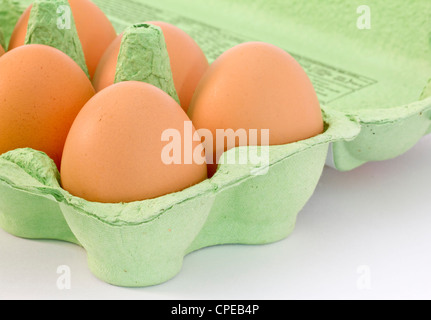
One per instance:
(372,81)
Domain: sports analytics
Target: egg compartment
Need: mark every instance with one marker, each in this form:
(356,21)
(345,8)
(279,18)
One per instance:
(371,61)
(144,243)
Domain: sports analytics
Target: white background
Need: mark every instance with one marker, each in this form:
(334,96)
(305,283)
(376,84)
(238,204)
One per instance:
(364,234)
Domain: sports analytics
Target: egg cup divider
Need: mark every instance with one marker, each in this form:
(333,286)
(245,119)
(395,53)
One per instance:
(42,22)
(144,243)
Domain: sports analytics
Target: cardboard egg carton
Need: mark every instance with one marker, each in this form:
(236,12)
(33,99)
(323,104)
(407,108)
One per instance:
(370,66)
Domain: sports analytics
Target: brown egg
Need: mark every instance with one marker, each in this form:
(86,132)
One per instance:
(188,62)
(106,70)
(41,92)
(114,151)
(94,30)
(256,86)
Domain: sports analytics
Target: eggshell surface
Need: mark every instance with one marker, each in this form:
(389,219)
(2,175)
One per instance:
(20,31)
(114,151)
(106,70)
(188,62)
(41,92)
(256,86)
(95,31)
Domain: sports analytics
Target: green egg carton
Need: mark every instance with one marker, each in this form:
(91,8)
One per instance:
(144,243)
(370,66)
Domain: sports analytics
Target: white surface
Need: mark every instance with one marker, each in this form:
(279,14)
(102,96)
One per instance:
(375,220)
